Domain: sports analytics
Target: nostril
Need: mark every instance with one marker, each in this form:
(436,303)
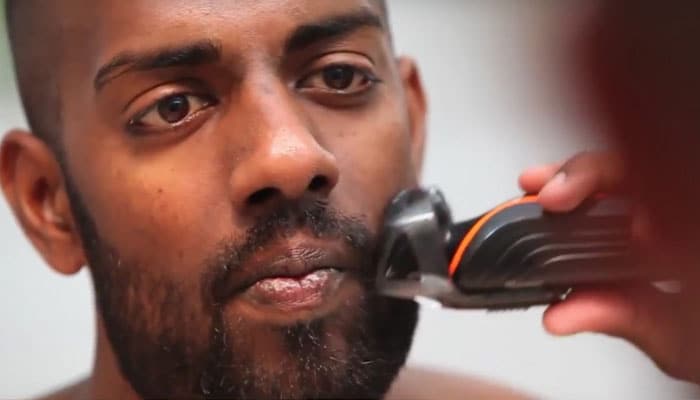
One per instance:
(262,196)
(318,183)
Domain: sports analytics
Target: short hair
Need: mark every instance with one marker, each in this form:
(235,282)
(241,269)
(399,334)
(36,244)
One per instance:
(36,53)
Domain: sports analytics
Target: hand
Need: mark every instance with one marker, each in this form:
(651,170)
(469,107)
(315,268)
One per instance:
(665,326)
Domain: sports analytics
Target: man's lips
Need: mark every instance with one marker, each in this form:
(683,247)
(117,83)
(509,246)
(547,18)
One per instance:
(307,291)
(290,274)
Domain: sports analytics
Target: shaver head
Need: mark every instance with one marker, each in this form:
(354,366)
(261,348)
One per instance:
(412,258)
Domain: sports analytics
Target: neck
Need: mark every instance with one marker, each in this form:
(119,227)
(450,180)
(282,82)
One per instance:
(107,380)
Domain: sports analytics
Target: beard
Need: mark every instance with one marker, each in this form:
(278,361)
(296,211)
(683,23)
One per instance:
(172,338)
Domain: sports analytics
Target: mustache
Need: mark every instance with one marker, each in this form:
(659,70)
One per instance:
(312,217)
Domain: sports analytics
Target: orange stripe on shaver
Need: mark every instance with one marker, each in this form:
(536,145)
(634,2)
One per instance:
(479,224)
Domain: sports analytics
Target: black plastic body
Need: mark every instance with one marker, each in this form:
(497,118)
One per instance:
(523,247)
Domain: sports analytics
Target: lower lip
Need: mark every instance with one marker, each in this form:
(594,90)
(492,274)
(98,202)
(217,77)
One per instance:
(292,293)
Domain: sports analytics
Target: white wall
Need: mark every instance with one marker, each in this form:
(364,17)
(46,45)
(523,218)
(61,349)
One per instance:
(500,101)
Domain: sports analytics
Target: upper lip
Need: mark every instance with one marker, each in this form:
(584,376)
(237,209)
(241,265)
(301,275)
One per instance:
(286,260)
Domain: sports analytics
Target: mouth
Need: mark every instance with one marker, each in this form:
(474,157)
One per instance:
(296,292)
(297,276)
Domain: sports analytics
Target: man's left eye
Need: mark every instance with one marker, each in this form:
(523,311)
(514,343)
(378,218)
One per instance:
(341,79)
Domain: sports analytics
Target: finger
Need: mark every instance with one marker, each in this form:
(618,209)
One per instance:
(643,316)
(579,178)
(591,310)
(532,180)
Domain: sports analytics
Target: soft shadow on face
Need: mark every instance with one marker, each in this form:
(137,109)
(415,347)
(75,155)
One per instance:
(173,340)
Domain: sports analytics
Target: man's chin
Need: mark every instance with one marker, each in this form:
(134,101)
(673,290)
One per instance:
(287,325)
(351,344)
(291,301)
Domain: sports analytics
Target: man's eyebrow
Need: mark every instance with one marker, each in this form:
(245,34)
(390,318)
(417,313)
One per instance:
(338,25)
(191,54)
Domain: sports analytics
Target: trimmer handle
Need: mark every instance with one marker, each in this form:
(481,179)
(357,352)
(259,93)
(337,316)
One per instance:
(520,245)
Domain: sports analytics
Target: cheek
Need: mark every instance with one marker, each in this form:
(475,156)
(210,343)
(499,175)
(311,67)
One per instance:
(167,212)
(373,151)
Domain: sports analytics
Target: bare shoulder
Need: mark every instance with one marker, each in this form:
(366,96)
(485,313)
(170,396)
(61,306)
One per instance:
(74,391)
(425,384)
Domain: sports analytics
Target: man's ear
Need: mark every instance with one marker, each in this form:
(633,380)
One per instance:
(33,184)
(417,108)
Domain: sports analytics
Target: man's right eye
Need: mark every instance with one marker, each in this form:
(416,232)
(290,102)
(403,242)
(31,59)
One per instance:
(170,113)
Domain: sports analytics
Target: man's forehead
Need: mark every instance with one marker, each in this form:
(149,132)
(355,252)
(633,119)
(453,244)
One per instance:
(159,19)
(141,25)
(230,8)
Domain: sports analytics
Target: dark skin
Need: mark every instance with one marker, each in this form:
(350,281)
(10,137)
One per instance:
(255,129)
(167,166)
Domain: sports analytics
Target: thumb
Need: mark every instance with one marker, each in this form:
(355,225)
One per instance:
(644,316)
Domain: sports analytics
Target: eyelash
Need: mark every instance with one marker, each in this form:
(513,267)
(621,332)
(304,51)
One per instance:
(135,124)
(367,74)
(329,96)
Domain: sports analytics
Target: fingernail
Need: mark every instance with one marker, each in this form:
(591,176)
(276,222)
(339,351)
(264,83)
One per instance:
(559,178)
(556,180)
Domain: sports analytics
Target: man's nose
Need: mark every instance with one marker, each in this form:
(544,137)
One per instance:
(286,161)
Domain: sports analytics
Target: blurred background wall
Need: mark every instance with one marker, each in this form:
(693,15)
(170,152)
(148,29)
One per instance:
(502,97)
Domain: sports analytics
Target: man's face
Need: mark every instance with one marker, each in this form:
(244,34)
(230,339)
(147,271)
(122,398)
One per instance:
(228,164)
